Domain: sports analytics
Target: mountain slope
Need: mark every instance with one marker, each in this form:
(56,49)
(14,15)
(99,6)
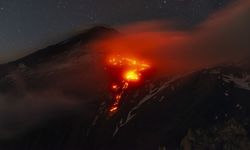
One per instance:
(162,114)
(46,97)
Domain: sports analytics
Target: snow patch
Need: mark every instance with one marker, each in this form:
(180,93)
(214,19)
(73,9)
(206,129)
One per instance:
(162,98)
(243,83)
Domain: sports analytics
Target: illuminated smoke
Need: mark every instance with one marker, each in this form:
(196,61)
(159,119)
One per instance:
(222,37)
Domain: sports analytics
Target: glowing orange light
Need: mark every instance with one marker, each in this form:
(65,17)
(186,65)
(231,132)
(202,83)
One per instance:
(125,85)
(132,75)
(131,71)
(118,97)
(114,86)
(113,109)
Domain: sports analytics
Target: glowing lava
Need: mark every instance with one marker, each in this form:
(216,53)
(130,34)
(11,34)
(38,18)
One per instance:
(131,75)
(127,70)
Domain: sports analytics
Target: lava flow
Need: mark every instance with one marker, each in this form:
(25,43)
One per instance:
(125,71)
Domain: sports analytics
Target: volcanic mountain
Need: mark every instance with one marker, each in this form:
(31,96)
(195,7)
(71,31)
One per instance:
(46,104)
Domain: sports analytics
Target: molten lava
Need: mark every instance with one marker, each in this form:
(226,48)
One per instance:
(132,75)
(126,70)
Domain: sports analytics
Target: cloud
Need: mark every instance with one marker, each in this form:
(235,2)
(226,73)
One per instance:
(22,113)
(226,33)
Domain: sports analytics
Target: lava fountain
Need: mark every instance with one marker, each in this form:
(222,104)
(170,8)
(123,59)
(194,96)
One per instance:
(124,71)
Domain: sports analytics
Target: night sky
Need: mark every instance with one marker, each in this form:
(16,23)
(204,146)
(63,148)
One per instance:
(27,25)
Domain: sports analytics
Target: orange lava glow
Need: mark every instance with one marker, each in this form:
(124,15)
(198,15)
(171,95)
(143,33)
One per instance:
(132,75)
(130,70)
(113,109)
(114,87)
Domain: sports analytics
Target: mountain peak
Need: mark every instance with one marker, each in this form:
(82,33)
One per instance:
(44,54)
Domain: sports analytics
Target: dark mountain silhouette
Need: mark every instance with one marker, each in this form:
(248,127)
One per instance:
(44,54)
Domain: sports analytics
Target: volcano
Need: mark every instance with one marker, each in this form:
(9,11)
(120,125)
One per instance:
(53,107)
